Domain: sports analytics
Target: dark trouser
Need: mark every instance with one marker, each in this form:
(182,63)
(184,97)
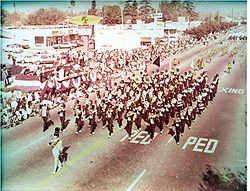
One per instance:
(99,113)
(167,116)
(177,132)
(189,120)
(79,124)
(45,126)
(211,96)
(92,126)
(128,128)
(182,125)
(152,132)
(119,120)
(62,119)
(138,122)
(161,123)
(104,120)
(110,125)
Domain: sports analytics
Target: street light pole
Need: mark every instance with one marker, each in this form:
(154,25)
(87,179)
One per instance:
(124,60)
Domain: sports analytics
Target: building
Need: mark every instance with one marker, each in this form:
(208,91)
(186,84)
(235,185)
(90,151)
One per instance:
(47,36)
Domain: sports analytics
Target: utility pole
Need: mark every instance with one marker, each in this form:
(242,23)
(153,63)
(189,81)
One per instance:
(232,15)
(124,59)
(14,4)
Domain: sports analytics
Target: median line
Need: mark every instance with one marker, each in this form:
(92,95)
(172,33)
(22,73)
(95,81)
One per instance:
(85,153)
(130,188)
(25,147)
(171,139)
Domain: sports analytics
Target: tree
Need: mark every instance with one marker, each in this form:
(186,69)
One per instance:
(213,180)
(130,10)
(72,3)
(145,9)
(127,8)
(134,11)
(190,9)
(51,16)
(8,19)
(174,9)
(5,15)
(111,15)
(93,10)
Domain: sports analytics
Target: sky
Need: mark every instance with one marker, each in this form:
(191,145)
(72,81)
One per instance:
(224,7)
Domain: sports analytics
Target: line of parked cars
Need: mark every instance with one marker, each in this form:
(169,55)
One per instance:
(71,44)
(16,48)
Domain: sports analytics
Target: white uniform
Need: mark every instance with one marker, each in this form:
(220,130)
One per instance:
(56,145)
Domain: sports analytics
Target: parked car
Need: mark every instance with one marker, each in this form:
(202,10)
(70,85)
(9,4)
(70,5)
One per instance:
(78,43)
(12,47)
(65,45)
(36,59)
(25,46)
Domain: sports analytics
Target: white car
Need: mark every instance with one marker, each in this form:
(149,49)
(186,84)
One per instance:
(13,47)
(35,59)
(65,45)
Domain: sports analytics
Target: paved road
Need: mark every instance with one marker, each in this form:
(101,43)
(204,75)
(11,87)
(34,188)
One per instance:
(102,163)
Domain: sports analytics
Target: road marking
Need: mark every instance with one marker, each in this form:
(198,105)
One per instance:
(130,188)
(224,76)
(23,148)
(242,161)
(171,139)
(102,141)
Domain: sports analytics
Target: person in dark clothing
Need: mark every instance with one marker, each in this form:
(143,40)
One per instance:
(61,114)
(120,111)
(152,122)
(110,120)
(79,121)
(138,117)
(92,121)
(130,120)
(177,125)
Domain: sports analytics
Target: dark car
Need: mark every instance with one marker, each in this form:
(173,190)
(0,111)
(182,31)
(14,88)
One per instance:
(25,46)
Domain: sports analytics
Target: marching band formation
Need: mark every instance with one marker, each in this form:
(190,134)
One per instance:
(145,100)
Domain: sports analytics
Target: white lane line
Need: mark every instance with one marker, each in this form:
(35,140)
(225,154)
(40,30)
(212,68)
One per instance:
(242,160)
(224,76)
(171,139)
(130,188)
(23,148)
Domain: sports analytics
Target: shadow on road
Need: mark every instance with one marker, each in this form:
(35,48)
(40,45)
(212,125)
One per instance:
(214,180)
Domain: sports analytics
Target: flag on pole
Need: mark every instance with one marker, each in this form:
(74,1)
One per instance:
(157,61)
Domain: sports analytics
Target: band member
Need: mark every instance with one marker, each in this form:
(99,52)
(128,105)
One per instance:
(79,121)
(61,114)
(200,104)
(177,125)
(120,111)
(56,145)
(152,122)
(46,117)
(110,120)
(98,106)
(167,112)
(138,117)
(75,106)
(183,115)
(130,118)
(92,121)
(189,115)
(104,115)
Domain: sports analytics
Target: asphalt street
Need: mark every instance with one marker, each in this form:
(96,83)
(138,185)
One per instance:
(217,138)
